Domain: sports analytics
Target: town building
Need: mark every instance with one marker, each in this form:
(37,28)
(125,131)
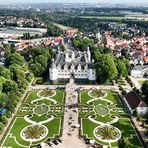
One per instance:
(76,64)
(134,103)
(139,71)
(18,32)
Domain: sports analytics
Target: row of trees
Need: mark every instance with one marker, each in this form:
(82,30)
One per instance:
(17,73)
(108,67)
(53,30)
(14,79)
(144,89)
(82,43)
(38,59)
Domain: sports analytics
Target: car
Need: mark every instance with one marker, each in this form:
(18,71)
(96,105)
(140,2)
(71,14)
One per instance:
(50,144)
(55,142)
(59,140)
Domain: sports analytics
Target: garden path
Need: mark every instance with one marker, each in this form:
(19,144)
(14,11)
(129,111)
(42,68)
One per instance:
(70,135)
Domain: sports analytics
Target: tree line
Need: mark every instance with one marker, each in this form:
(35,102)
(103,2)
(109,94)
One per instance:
(16,74)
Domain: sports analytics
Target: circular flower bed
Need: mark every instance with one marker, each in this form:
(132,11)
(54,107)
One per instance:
(101,110)
(97,93)
(107,133)
(46,93)
(41,109)
(34,132)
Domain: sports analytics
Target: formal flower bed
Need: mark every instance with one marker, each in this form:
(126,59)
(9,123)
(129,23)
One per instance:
(34,132)
(41,109)
(97,93)
(101,110)
(107,133)
(46,92)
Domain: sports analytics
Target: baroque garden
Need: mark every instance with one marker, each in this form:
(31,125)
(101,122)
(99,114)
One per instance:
(107,116)
(102,118)
(38,119)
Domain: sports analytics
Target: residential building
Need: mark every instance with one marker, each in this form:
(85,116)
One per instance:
(139,71)
(135,103)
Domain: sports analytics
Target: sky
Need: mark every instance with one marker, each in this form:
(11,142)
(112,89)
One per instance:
(67,1)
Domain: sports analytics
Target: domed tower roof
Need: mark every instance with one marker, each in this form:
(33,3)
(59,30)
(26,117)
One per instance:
(53,65)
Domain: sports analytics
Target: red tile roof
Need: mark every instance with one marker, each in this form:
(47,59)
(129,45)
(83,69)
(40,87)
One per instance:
(146,59)
(140,52)
(59,39)
(47,42)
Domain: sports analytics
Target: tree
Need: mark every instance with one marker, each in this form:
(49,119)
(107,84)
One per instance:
(42,60)
(39,61)
(62,47)
(4,119)
(2,81)
(9,86)
(7,53)
(37,69)
(145,90)
(106,68)
(17,74)
(1,127)
(82,43)
(124,52)
(5,72)
(16,58)
(26,36)
(107,50)
(3,100)
(121,67)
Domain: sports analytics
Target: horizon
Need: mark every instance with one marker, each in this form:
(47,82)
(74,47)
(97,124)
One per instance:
(76,1)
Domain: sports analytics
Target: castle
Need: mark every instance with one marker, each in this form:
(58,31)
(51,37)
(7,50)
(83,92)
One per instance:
(74,64)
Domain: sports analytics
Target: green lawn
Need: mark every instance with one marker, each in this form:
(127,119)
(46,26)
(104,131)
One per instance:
(13,137)
(32,96)
(116,109)
(19,124)
(59,97)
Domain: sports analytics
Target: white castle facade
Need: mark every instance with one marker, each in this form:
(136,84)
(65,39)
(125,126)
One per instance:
(74,64)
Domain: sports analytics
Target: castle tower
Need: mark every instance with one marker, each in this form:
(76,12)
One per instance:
(53,72)
(91,71)
(91,74)
(98,35)
(67,58)
(73,56)
(88,55)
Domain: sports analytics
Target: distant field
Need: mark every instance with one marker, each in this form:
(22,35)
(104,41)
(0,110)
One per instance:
(135,17)
(104,17)
(62,26)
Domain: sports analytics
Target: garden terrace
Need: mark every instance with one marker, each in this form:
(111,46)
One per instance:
(39,118)
(104,119)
